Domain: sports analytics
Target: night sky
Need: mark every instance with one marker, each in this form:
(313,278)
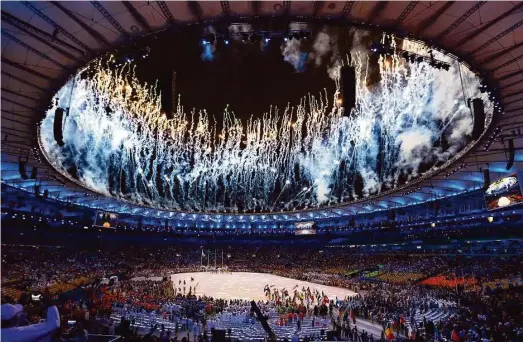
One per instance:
(242,75)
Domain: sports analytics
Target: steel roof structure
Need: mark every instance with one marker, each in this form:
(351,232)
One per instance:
(43,43)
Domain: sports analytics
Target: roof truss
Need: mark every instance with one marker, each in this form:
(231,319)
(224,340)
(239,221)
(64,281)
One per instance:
(430,21)
(95,34)
(56,26)
(491,23)
(110,18)
(137,16)
(32,49)
(461,19)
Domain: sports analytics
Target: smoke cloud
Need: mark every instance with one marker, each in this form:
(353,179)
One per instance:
(323,45)
(236,30)
(209,48)
(292,54)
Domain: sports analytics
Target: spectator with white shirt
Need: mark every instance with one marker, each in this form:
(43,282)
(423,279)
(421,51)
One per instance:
(14,331)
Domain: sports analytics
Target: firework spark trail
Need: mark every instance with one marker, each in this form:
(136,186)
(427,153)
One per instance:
(286,159)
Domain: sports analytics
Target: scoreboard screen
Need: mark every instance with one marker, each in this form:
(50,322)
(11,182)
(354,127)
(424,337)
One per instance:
(503,192)
(106,220)
(305,228)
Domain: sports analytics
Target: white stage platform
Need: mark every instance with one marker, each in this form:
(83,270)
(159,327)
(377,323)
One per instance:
(247,285)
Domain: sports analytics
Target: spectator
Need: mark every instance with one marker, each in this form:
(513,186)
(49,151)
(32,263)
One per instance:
(13,332)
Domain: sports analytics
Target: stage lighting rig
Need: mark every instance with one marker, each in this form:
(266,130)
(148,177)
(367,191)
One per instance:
(413,57)
(145,52)
(301,34)
(381,49)
(247,34)
(386,46)
(436,63)
(119,59)
(254,37)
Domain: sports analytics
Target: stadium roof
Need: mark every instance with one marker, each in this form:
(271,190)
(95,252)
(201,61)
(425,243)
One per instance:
(45,42)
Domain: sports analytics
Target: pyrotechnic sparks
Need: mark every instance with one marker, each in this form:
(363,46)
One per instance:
(305,156)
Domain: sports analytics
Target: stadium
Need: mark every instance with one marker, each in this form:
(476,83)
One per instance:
(262,171)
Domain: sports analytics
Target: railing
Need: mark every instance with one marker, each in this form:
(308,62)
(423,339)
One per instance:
(104,338)
(100,338)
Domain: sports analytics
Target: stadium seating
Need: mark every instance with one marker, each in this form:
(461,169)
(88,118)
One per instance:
(240,330)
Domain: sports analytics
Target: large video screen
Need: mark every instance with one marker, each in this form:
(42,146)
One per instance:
(305,228)
(106,220)
(503,192)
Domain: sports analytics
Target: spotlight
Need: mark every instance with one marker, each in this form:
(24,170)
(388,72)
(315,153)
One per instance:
(144,52)
(379,48)
(226,41)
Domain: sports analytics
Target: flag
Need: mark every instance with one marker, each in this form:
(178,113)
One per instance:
(402,321)
(455,336)
(203,254)
(389,334)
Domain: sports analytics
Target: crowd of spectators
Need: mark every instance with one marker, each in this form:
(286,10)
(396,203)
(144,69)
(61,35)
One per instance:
(393,289)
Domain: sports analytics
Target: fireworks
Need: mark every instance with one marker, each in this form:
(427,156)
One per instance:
(305,156)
